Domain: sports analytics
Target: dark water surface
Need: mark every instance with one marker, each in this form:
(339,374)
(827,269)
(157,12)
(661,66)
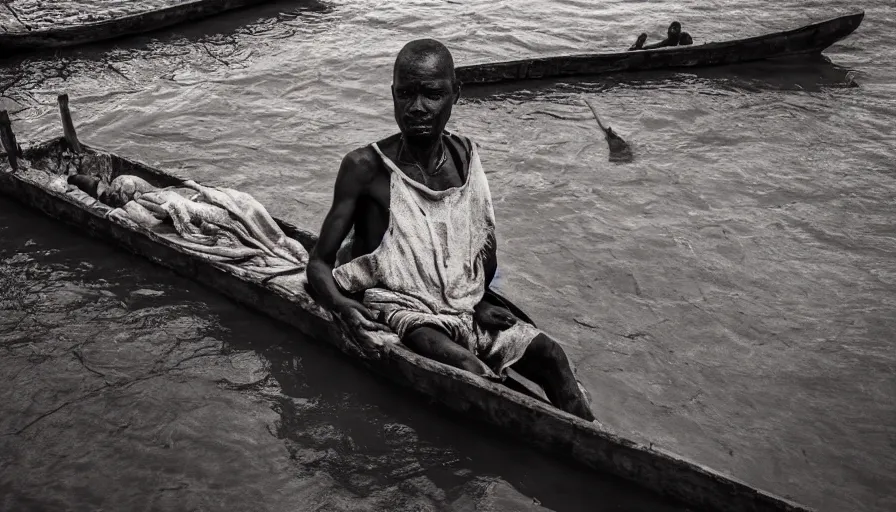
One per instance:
(729,296)
(130,388)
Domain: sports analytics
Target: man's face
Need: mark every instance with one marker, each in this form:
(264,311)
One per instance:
(423,94)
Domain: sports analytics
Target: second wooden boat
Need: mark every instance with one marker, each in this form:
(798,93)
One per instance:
(62,36)
(37,178)
(807,40)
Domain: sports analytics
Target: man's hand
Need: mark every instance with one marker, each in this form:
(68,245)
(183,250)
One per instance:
(361,320)
(490,316)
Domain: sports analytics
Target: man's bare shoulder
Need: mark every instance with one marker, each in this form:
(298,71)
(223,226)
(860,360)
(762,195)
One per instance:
(364,164)
(360,164)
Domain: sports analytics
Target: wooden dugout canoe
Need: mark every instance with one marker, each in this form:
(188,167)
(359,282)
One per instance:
(57,37)
(807,40)
(531,420)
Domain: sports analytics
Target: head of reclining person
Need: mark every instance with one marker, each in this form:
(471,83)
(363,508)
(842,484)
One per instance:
(674,33)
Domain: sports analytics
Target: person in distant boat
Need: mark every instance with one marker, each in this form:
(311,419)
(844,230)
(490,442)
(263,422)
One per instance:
(423,249)
(674,37)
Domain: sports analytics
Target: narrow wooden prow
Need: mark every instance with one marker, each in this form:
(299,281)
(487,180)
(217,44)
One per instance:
(68,127)
(8,138)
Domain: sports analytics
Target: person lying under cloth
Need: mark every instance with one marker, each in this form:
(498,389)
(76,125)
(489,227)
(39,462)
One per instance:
(218,224)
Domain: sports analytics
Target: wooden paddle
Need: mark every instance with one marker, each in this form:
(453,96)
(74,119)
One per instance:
(620,151)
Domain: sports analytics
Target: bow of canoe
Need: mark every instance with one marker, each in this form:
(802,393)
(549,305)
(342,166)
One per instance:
(809,39)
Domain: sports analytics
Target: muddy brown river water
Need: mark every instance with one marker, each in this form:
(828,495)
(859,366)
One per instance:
(729,296)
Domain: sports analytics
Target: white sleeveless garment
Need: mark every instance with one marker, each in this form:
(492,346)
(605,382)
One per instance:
(429,268)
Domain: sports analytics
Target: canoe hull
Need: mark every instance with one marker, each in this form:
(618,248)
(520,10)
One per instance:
(811,39)
(20,42)
(529,419)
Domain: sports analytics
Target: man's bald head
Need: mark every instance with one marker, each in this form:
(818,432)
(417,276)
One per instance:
(425,53)
(424,89)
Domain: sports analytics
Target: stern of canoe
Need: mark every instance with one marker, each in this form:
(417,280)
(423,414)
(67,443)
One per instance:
(52,162)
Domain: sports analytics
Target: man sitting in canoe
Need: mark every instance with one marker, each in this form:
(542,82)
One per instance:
(423,250)
(674,37)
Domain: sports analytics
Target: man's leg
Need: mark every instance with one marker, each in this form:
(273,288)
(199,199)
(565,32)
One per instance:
(435,344)
(545,363)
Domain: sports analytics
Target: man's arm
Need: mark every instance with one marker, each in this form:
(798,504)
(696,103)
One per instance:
(351,181)
(662,44)
(355,175)
(488,313)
